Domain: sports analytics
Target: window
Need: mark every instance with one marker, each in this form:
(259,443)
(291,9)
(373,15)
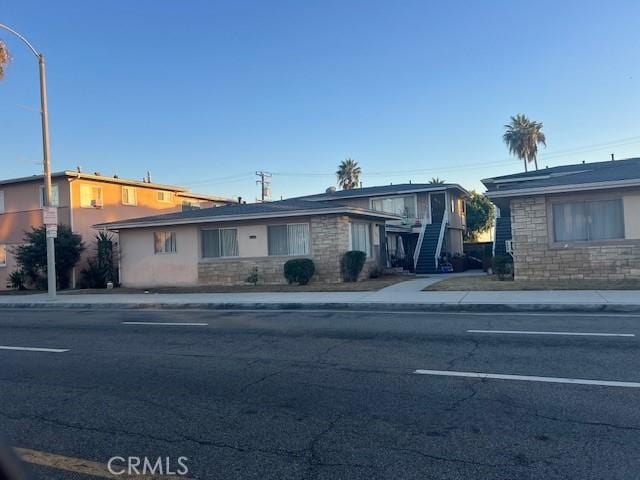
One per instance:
(453,205)
(129,196)
(588,221)
(360,238)
(163,196)
(403,206)
(189,205)
(164,242)
(219,242)
(90,196)
(3,255)
(1,201)
(291,239)
(55,199)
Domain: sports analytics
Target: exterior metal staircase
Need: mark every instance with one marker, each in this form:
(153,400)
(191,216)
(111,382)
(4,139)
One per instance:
(429,245)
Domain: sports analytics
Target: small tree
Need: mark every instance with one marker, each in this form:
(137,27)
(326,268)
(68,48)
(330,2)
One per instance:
(479,215)
(32,256)
(100,269)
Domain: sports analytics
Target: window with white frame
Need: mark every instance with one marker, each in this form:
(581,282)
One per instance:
(3,255)
(219,242)
(291,239)
(588,221)
(55,198)
(361,237)
(1,201)
(403,206)
(164,197)
(129,196)
(164,242)
(90,196)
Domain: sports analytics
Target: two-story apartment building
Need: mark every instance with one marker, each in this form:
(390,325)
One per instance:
(433,220)
(84,200)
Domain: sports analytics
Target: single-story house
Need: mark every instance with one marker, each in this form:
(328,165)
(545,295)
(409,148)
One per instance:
(571,222)
(432,220)
(222,245)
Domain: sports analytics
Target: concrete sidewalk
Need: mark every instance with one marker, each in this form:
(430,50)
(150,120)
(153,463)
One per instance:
(408,298)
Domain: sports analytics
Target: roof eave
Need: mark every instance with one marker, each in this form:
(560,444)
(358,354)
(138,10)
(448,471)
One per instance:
(256,216)
(563,188)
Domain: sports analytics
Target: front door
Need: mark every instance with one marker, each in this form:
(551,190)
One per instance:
(438,204)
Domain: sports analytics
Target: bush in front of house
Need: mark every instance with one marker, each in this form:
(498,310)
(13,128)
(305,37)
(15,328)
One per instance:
(253,276)
(299,270)
(352,264)
(503,266)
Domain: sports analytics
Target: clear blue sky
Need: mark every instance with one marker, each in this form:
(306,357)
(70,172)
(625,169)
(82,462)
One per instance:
(204,93)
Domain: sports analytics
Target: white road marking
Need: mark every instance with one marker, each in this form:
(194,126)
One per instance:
(34,349)
(528,378)
(578,334)
(173,324)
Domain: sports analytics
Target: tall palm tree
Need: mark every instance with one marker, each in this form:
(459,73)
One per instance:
(436,181)
(348,174)
(4,58)
(523,136)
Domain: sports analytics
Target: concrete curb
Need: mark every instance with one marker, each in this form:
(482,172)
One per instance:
(364,306)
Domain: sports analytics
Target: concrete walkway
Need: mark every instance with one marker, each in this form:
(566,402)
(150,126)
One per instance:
(409,297)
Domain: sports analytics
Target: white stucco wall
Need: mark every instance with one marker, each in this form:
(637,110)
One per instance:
(253,247)
(631,217)
(141,267)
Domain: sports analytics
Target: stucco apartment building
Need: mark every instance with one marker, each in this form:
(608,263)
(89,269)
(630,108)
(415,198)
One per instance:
(577,221)
(222,246)
(84,200)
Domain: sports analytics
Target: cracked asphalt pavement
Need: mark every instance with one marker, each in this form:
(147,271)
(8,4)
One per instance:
(324,395)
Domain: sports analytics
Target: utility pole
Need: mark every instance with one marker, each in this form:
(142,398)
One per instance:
(50,213)
(265,185)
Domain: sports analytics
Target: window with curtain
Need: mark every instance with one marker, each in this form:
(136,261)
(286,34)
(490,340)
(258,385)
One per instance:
(90,196)
(55,196)
(164,242)
(361,237)
(588,221)
(291,239)
(403,206)
(129,196)
(219,242)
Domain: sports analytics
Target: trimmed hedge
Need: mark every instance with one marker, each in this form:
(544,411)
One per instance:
(299,270)
(352,263)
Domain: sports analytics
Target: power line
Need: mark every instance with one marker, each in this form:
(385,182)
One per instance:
(265,185)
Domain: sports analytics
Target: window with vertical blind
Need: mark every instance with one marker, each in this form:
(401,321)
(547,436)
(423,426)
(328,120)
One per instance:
(588,221)
(90,196)
(3,255)
(403,206)
(55,197)
(164,242)
(290,240)
(361,237)
(129,196)
(219,242)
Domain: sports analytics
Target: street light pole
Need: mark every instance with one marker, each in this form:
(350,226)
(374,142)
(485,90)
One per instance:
(46,151)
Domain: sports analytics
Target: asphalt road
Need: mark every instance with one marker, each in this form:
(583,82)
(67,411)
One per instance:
(325,395)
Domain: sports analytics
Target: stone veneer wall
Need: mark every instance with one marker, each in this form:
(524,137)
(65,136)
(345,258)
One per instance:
(329,241)
(536,259)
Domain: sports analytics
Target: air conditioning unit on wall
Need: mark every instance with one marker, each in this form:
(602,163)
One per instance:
(508,244)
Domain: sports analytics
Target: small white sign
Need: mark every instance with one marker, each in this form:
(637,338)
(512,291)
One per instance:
(52,231)
(50,215)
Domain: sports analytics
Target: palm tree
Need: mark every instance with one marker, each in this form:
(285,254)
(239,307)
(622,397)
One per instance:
(348,174)
(523,137)
(436,181)
(4,58)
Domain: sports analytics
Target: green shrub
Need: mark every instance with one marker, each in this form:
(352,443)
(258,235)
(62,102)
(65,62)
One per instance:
(376,272)
(101,269)
(503,266)
(352,263)
(253,276)
(17,280)
(299,270)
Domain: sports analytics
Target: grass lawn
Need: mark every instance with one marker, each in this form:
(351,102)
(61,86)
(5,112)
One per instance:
(368,285)
(491,283)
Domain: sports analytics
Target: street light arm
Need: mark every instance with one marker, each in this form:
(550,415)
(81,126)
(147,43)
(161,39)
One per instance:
(26,42)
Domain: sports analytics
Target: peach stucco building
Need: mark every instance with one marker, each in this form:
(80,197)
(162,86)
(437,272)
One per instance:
(84,200)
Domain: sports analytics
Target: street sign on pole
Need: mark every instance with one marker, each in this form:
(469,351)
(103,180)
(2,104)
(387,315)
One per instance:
(50,216)
(52,231)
